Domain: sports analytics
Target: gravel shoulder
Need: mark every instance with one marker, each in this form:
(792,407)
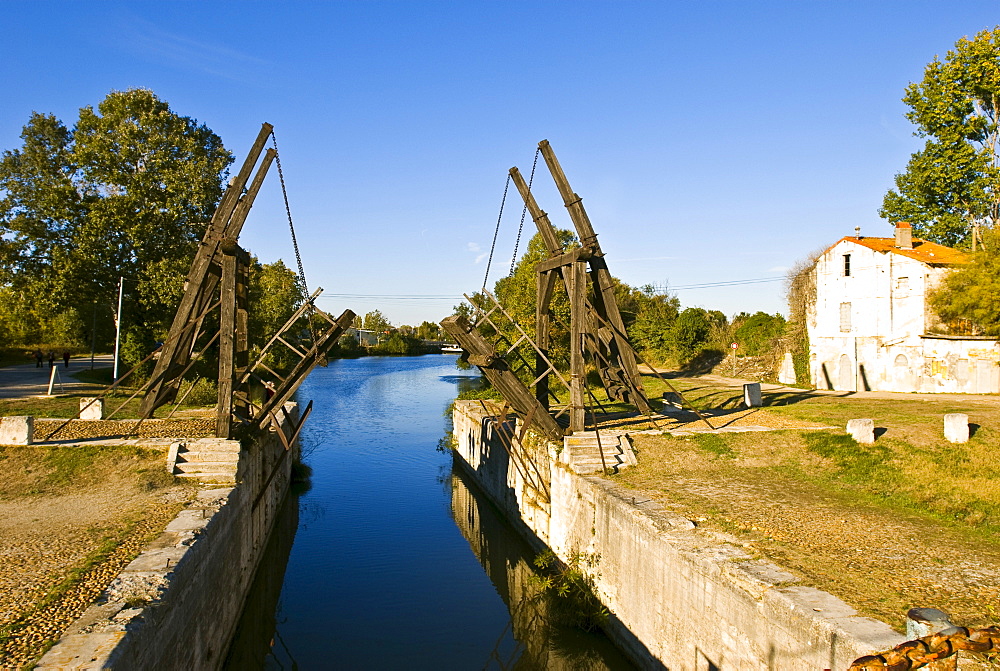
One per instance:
(71,517)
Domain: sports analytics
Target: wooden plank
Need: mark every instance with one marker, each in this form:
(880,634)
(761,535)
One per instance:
(241,393)
(578,321)
(239,216)
(227,346)
(565,259)
(501,377)
(324,342)
(545,284)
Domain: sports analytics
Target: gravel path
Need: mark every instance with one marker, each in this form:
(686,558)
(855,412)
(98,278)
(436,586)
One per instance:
(63,533)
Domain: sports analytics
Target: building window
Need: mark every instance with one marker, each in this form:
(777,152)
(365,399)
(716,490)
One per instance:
(847,265)
(845,317)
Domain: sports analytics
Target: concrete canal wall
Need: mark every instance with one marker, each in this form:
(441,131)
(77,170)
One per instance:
(177,604)
(680,597)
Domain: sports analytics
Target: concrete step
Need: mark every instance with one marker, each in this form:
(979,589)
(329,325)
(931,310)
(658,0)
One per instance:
(212,467)
(583,452)
(229,457)
(596,459)
(220,478)
(214,446)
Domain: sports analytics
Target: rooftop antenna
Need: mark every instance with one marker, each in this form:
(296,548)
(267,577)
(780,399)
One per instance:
(857,232)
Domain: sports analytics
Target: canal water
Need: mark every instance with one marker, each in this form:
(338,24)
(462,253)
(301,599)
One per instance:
(392,559)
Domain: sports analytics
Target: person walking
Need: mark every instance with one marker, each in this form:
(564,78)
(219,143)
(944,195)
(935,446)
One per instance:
(38,358)
(66,357)
(52,359)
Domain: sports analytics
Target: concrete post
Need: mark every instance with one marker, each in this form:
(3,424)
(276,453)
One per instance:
(922,622)
(17,430)
(751,395)
(91,408)
(787,373)
(956,427)
(862,430)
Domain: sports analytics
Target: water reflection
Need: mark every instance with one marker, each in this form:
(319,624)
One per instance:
(380,576)
(534,637)
(257,643)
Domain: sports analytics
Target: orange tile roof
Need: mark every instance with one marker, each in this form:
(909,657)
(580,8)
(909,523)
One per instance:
(930,253)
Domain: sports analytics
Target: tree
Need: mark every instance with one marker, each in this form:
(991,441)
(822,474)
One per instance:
(376,321)
(127,192)
(690,333)
(429,331)
(954,181)
(655,315)
(968,300)
(518,291)
(758,333)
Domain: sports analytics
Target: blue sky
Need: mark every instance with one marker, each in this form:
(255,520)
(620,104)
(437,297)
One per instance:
(711,142)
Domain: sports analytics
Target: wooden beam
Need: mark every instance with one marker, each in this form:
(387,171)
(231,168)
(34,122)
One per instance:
(541,219)
(227,345)
(605,302)
(545,284)
(565,259)
(501,377)
(324,341)
(578,326)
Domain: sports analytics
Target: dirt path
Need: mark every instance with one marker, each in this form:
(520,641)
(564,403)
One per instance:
(69,522)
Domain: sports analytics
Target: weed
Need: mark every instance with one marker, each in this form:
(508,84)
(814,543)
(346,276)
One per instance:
(714,444)
(575,603)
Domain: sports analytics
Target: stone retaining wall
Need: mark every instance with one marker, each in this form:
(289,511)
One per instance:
(680,597)
(177,604)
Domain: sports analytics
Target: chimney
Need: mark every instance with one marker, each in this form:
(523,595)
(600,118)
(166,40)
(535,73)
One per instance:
(904,235)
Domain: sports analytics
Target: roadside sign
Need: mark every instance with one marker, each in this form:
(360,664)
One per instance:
(734,345)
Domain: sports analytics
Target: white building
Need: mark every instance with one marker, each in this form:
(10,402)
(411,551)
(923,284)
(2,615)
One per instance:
(870,328)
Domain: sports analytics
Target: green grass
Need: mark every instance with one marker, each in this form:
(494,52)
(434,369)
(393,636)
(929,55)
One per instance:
(716,444)
(102,376)
(34,470)
(69,405)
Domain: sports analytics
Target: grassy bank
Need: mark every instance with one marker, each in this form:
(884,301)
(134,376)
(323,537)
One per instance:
(903,522)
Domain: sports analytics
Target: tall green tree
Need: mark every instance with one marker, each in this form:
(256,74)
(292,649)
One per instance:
(954,181)
(968,300)
(127,192)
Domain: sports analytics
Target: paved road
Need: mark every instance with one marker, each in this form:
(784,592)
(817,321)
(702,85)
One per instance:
(26,380)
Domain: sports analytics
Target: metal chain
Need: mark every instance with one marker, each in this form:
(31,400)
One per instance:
(524,210)
(919,652)
(496,231)
(288,211)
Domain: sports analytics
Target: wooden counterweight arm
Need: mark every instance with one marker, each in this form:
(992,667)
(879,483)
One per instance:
(541,219)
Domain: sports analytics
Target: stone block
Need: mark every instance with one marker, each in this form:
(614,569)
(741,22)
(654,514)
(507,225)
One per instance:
(786,375)
(862,430)
(751,395)
(922,622)
(16,430)
(956,427)
(91,408)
